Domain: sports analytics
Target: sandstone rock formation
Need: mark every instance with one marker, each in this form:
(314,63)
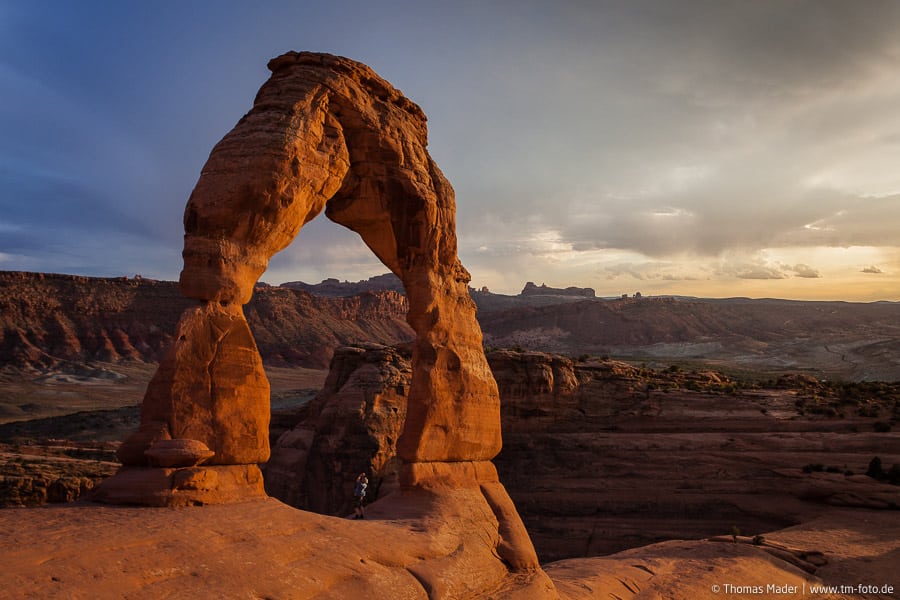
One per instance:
(325,133)
(335,287)
(531,289)
(328,130)
(351,426)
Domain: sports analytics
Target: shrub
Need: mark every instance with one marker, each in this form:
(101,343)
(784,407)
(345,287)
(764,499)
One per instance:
(867,409)
(893,476)
(875,470)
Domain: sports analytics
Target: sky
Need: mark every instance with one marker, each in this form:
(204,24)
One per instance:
(713,148)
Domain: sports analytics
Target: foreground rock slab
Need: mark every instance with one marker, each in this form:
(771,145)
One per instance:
(433,546)
(436,546)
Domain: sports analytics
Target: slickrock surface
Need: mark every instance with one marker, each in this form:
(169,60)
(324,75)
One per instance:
(440,546)
(264,549)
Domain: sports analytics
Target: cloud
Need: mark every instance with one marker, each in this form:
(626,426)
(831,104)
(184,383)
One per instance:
(872,269)
(324,249)
(805,271)
(617,271)
(654,270)
(758,272)
(738,127)
(760,266)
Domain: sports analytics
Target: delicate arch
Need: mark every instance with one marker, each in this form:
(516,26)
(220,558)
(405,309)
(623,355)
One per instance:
(327,133)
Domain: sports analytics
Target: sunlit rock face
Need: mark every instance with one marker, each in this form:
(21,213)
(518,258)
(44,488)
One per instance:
(325,134)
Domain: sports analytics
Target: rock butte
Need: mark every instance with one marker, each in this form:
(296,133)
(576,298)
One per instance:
(327,133)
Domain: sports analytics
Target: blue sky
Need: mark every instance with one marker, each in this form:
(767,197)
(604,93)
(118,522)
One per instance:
(716,148)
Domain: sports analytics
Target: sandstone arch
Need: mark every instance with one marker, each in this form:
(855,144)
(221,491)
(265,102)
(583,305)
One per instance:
(325,134)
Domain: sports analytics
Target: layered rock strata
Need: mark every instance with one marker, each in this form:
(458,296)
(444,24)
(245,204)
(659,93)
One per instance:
(60,322)
(325,133)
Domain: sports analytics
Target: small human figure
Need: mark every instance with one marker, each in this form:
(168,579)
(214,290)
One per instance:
(359,493)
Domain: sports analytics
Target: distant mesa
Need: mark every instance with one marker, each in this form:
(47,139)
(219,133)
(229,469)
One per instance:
(543,290)
(335,288)
(390,282)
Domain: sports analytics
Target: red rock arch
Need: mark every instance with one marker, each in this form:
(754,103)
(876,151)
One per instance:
(325,133)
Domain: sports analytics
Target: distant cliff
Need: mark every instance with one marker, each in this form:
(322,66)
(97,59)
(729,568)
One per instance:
(531,294)
(543,290)
(46,319)
(333,287)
